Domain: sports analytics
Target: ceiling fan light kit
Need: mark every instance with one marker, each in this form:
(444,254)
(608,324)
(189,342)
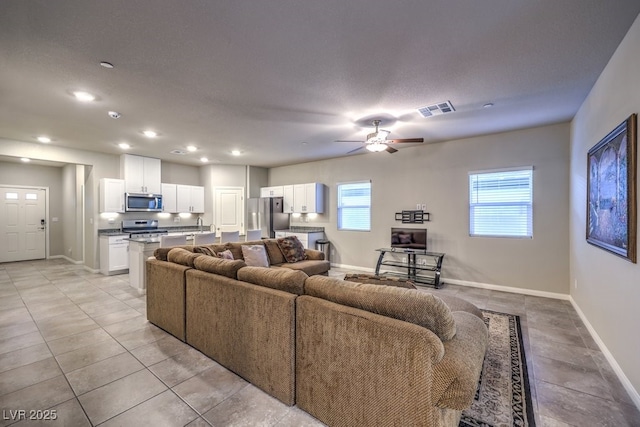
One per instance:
(377,141)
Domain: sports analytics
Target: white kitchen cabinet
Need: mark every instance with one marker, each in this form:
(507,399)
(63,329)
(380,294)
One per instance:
(276,191)
(308,198)
(141,174)
(114,254)
(111,195)
(169,198)
(190,198)
(287,199)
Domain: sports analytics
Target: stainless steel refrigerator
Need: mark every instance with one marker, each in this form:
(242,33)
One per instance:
(266,214)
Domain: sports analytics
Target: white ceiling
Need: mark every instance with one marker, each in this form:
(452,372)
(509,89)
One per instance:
(281,80)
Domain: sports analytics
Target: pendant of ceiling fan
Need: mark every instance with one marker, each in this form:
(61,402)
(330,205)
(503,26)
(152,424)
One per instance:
(377,141)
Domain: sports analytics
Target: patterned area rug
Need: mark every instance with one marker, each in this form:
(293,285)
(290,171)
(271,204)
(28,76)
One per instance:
(503,397)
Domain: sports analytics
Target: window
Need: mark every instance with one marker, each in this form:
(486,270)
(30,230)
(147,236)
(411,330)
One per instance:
(500,203)
(354,206)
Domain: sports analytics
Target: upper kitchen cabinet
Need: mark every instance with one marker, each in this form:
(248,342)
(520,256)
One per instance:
(308,198)
(141,174)
(190,198)
(287,199)
(111,195)
(271,191)
(169,198)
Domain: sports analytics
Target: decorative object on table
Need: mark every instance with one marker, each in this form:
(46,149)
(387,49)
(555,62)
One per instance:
(611,191)
(504,396)
(412,217)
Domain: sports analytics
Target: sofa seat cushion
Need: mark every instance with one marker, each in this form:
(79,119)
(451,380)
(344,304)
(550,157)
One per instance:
(223,267)
(182,257)
(456,375)
(310,267)
(283,279)
(409,305)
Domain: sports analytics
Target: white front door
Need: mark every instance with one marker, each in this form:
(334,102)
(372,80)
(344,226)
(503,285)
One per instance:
(22,224)
(229,209)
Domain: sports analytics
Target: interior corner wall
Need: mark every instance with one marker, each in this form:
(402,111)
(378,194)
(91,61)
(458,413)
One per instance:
(605,287)
(436,174)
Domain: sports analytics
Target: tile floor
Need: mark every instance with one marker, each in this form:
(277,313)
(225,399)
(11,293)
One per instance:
(79,343)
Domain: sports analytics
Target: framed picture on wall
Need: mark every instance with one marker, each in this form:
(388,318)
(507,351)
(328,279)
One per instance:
(611,191)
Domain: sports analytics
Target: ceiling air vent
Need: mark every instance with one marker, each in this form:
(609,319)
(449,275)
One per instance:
(180,152)
(436,109)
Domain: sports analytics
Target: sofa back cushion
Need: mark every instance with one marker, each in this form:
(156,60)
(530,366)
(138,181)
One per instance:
(409,305)
(283,279)
(274,252)
(182,256)
(162,253)
(223,267)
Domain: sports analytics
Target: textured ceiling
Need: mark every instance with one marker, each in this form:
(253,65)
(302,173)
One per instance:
(281,80)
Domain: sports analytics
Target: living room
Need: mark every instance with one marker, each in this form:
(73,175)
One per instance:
(557,262)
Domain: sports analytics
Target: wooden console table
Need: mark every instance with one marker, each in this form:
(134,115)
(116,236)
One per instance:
(419,266)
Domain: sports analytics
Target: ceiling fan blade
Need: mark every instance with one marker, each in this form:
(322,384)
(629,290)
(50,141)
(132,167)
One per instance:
(413,140)
(346,140)
(357,149)
(390,150)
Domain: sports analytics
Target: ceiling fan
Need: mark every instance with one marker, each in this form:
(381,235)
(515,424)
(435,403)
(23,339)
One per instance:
(377,141)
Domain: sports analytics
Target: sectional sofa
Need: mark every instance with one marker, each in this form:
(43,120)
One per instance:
(347,353)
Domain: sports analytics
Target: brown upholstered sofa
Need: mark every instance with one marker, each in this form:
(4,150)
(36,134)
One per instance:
(347,353)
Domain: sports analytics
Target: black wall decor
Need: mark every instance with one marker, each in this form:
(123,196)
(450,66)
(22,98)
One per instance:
(412,217)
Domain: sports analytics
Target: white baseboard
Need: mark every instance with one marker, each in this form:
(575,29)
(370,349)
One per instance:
(72,261)
(522,291)
(633,393)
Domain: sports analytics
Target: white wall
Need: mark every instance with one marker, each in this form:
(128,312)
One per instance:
(608,287)
(437,175)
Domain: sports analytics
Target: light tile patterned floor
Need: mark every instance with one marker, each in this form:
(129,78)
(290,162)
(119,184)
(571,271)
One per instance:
(79,343)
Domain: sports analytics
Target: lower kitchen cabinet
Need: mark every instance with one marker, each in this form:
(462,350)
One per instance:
(114,254)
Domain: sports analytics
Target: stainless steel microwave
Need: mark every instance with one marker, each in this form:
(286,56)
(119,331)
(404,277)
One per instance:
(143,202)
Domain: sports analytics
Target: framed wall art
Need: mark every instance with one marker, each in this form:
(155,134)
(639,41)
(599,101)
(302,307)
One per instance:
(611,191)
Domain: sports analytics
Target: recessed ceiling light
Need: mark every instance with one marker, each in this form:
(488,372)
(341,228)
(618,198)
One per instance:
(488,105)
(25,159)
(236,152)
(114,114)
(192,148)
(124,146)
(204,159)
(150,133)
(84,96)
(106,64)
(44,139)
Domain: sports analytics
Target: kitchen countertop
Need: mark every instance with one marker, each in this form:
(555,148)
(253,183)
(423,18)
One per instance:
(303,230)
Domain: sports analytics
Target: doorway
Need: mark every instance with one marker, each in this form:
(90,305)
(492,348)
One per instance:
(23,224)
(229,209)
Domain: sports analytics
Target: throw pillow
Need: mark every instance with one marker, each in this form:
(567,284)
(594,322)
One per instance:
(255,255)
(292,249)
(225,254)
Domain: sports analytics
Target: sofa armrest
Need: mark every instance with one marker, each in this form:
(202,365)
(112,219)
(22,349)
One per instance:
(166,296)
(459,370)
(314,255)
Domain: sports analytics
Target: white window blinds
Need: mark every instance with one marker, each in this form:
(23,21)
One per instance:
(354,206)
(501,203)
